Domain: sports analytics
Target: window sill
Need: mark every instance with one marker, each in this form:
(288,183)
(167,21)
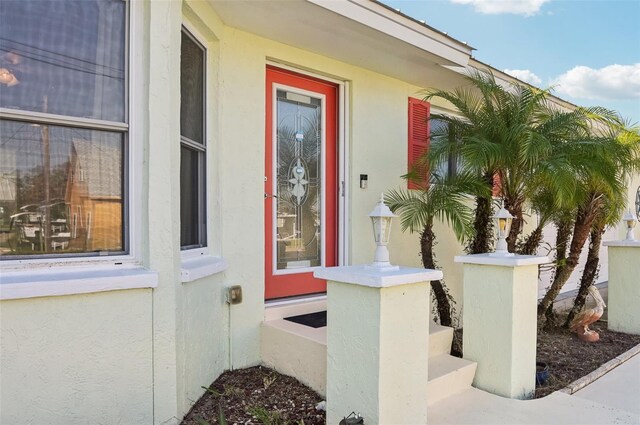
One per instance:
(201,266)
(71,281)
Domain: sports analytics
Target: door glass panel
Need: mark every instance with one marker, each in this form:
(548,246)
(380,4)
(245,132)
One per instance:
(298,178)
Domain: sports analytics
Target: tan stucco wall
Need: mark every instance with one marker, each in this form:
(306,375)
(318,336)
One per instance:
(368,367)
(501,331)
(77,359)
(202,338)
(624,291)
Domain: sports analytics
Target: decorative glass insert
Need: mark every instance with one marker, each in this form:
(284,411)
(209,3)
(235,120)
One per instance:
(64,57)
(298,179)
(61,190)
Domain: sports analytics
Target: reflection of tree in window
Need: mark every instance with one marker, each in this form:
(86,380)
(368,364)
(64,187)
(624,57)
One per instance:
(97,153)
(68,51)
(439,129)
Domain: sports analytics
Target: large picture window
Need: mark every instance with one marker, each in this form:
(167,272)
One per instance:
(193,230)
(63,128)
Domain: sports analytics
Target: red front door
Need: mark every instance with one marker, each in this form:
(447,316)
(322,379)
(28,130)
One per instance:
(300,207)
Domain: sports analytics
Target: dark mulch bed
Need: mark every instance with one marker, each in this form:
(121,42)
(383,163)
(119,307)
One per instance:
(257,395)
(570,358)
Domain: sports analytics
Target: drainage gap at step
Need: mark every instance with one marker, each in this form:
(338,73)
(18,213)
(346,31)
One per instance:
(313,320)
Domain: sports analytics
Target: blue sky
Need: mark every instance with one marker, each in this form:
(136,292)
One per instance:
(588,50)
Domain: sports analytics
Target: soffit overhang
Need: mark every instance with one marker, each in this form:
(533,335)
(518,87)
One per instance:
(360,32)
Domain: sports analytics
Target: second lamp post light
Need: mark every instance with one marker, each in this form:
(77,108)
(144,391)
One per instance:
(630,222)
(503,220)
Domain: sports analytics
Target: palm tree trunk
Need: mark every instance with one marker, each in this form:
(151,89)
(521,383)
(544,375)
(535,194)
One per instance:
(532,243)
(563,235)
(590,271)
(427,239)
(483,227)
(515,209)
(482,223)
(581,230)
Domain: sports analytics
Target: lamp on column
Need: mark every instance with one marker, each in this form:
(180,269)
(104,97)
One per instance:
(381,218)
(503,220)
(630,222)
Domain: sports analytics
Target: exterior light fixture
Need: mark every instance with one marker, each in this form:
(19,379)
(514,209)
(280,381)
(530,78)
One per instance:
(381,217)
(630,222)
(503,221)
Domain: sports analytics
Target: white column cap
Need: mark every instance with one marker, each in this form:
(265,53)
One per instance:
(514,261)
(622,243)
(368,276)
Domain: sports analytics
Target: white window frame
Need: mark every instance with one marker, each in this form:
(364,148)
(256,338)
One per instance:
(200,262)
(19,278)
(202,149)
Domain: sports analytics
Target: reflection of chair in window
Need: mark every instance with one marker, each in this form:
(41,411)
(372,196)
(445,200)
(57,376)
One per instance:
(28,230)
(28,234)
(60,240)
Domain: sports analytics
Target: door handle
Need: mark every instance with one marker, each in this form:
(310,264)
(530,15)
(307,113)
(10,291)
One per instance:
(266,195)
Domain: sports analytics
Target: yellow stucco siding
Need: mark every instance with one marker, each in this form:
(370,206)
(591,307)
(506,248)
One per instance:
(77,359)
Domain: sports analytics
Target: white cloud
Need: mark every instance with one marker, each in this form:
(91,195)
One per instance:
(608,83)
(517,7)
(525,75)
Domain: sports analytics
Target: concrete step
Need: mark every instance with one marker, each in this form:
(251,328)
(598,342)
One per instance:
(296,350)
(449,375)
(301,351)
(440,338)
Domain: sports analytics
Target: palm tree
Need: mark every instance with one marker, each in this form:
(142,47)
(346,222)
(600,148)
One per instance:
(600,190)
(538,152)
(509,132)
(445,199)
(557,162)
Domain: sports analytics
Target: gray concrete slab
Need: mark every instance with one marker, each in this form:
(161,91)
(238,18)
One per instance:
(481,408)
(612,399)
(619,388)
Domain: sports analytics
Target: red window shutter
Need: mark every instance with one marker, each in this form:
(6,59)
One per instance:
(418,139)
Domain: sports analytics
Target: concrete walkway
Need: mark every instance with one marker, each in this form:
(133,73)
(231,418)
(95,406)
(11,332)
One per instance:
(612,399)
(619,388)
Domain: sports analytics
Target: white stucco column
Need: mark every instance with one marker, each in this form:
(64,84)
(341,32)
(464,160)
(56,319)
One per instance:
(623,304)
(499,318)
(377,343)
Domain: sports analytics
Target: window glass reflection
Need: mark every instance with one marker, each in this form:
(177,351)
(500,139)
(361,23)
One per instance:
(189,194)
(191,90)
(63,57)
(61,189)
